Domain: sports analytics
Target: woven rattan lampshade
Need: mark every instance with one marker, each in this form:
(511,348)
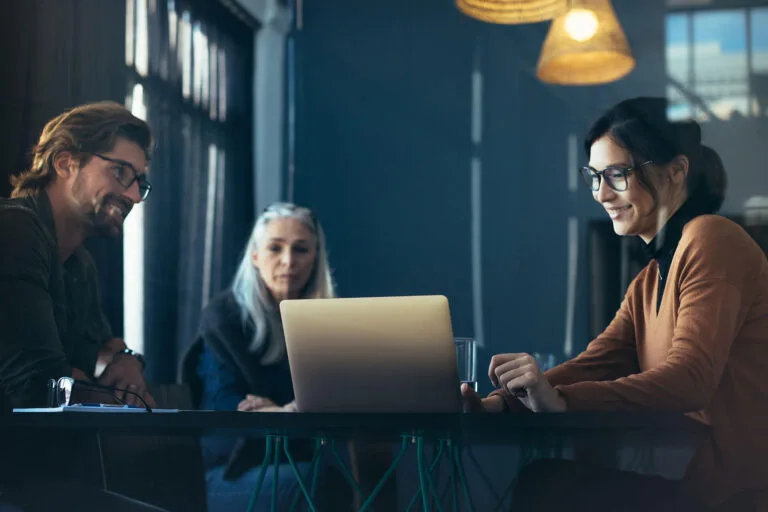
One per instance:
(585,46)
(512,12)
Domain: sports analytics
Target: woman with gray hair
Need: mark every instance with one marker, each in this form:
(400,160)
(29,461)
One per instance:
(285,258)
(239,361)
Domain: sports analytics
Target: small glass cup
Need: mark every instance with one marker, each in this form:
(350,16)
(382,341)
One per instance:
(545,361)
(60,391)
(466,358)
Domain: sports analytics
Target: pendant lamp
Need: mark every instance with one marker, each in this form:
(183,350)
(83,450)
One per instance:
(585,46)
(512,12)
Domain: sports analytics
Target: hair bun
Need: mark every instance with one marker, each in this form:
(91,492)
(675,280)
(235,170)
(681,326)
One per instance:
(710,192)
(688,136)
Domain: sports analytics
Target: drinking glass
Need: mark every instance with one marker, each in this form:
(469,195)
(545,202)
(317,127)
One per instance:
(466,358)
(545,361)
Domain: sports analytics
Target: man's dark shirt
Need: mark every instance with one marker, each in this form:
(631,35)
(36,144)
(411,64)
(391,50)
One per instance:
(50,314)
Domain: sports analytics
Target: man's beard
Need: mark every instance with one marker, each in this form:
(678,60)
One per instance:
(100,216)
(103,221)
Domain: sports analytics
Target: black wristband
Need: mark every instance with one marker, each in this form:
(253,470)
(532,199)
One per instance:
(133,353)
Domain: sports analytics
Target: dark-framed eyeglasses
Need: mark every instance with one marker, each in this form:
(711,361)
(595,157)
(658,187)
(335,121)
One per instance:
(126,175)
(615,176)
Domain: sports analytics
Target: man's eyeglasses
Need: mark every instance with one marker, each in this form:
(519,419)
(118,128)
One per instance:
(126,174)
(614,175)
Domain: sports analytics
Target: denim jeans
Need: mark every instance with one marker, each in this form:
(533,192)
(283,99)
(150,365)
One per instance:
(235,495)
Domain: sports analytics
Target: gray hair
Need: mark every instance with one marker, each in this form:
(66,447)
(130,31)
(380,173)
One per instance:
(255,301)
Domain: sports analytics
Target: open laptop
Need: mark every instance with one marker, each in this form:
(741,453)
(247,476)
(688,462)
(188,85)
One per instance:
(381,354)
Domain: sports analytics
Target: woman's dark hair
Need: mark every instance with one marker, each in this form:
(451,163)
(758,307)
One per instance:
(640,125)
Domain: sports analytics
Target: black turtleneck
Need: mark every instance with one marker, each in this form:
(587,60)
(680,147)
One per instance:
(662,247)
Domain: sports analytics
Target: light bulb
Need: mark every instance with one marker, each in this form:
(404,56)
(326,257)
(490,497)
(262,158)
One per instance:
(581,24)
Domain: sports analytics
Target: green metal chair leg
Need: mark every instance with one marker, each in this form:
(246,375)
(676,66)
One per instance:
(262,471)
(435,461)
(297,473)
(501,504)
(319,447)
(345,471)
(454,485)
(315,473)
(276,475)
(385,477)
(428,492)
(422,471)
(483,475)
(433,491)
(434,471)
(462,477)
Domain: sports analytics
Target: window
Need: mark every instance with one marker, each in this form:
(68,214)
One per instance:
(189,67)
(759,45)
(714,62)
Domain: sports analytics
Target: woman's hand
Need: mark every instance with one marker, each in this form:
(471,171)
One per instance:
(520,375)
(471,401)
(253,403)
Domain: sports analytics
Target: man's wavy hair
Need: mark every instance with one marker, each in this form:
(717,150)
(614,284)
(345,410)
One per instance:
(81,131)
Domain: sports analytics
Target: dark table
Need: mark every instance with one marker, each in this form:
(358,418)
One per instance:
(472,428)
(584,433)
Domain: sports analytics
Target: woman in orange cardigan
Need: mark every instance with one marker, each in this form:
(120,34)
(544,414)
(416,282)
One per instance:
(691,334)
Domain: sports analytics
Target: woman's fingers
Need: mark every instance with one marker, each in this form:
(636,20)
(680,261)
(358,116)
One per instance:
(516,366)
(518,383)
(253,403)
(503,360)
(519,378)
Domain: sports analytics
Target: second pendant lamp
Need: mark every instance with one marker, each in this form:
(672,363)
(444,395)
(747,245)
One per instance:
(585,46)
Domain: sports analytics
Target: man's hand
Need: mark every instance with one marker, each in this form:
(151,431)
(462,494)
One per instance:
(472,402)
(79,374)
(124,372)
(81,394)
(108,350)
(520,375)
(253,403)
